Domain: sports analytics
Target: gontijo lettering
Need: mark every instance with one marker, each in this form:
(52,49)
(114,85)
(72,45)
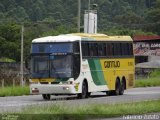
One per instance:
(111,64)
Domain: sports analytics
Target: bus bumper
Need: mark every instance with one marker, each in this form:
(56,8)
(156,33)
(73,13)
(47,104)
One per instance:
(52,89)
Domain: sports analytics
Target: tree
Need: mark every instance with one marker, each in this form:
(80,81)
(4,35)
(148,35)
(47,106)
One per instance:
(128,18)
(153,17)
(18,13)
(10,41)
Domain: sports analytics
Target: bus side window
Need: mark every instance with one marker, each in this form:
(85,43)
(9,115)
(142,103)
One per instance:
(117,49)
(104,49)
(109,49)
(85,49)
(93,48)
(100,50)
(125,49)
(130,49)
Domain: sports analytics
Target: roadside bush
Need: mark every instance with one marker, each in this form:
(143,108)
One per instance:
(155,73)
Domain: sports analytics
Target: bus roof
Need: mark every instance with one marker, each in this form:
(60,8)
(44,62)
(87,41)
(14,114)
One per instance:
(81,36)
(104,37)
(59,38)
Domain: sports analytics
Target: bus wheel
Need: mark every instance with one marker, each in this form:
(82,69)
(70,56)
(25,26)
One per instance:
(117,88)
(107,93)
(46,96)
(84,93)
(121,91)
(111,93)
(89,94)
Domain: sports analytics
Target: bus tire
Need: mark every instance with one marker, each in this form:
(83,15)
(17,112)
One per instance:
(108,93)
(117,88)
(122,87)
(46,96)
(84,93)
(89,94)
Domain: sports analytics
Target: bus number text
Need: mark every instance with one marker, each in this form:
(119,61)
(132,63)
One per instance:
(130,63)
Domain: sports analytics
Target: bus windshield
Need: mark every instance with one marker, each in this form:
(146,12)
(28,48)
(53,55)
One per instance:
(55,60)
(51,66)
(61,66)
(52,48)
(40,66)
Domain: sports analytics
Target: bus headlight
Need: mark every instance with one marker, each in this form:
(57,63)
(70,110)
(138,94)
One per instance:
(65,88)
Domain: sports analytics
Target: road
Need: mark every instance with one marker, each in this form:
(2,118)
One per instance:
(12,104)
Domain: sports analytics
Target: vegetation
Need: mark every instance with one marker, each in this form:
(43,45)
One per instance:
(50,17)
(155,73)
(150,82)
(60,111)
(6,60)
(14,91)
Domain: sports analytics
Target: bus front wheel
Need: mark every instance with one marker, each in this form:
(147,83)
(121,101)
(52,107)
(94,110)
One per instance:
(84,93)
(46,96)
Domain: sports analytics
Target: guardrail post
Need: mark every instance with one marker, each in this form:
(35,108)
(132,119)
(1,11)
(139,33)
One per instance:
(2,83)
(13,82)
(24,82)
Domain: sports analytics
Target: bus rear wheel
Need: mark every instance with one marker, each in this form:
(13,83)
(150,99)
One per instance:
(46,96)
(117,89)
(122,86)
(84,93)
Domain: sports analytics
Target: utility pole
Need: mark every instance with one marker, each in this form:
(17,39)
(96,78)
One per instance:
(21,66)
(79,16)
(89,2)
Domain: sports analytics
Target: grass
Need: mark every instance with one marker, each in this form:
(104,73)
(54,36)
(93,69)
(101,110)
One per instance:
(62,111)
(14,91)
(155,73)
(151,82)
(154,80)
(3,59)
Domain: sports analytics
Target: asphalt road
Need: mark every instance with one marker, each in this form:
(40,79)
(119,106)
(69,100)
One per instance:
(12,104)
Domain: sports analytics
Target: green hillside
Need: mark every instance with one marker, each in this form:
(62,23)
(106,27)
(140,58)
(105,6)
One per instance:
(52,17)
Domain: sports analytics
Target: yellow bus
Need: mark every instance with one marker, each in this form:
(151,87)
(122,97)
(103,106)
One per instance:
(80,64)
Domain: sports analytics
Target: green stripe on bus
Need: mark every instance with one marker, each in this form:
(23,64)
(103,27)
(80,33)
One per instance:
(100,72)
(93,72)
(96,72)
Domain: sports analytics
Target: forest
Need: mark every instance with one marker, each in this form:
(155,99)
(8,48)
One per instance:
(52,17)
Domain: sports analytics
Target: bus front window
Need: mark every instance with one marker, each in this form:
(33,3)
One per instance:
(40,66)
(55,60)
(61,66)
